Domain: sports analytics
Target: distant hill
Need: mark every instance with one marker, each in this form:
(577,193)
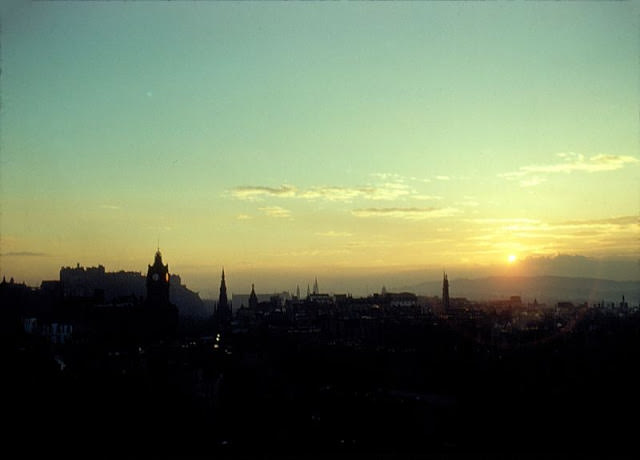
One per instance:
(546,289)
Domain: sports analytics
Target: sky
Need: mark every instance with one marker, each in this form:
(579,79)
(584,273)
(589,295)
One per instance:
(287,140)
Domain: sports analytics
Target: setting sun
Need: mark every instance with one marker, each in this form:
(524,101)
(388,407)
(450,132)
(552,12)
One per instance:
(511,258)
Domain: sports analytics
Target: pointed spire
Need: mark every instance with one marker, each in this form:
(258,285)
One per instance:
(253,298)
(224,313)
(315,286)
(223,285)
(445,291)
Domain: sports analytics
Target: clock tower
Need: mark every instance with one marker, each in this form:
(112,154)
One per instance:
(158,282)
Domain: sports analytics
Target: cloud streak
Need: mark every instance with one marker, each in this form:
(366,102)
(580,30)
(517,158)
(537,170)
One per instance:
(384,192)
(406,213)
(255,193)
(531,175)
(623,220)
(593,236)
(24,254)
(275,211)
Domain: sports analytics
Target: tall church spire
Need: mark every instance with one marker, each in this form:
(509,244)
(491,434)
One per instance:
(224,312)
(253,298)
(445,291)
(222,299)
(315,287)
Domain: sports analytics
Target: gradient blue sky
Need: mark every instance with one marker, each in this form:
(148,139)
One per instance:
(300,137)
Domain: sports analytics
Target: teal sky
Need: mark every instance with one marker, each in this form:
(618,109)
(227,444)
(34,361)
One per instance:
(272,136)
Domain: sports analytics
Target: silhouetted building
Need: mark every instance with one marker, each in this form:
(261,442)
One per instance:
(401,299)
(98,285)
(445,292)
(253,299)
(158,282)
(52,288)
(161,316)
(317,298)
(223,309)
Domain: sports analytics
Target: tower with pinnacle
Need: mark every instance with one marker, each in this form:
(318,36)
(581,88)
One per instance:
(158,282)
(223,309)
(160,316)
(253,298)
(445,292)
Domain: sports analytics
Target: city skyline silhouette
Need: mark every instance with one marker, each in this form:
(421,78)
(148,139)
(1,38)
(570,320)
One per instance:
(390,373)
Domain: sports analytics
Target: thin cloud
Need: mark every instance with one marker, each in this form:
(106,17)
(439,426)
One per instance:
(443,178)
(576,162)
(384,192)
(24,254)
(335,193)
(571,162)
(254,193)
(623,220)
(275,211)
(386,176)
(406,213)
(504,220)
(592,236)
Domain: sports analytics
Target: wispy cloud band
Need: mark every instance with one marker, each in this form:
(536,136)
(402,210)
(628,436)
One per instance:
(24,254)
(383,192)
(530,175)
(275,211)
(406,213)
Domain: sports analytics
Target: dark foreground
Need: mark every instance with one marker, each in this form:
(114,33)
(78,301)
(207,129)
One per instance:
(428,391)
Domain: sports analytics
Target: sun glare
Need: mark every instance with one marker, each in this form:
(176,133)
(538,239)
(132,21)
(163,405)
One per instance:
(511,258)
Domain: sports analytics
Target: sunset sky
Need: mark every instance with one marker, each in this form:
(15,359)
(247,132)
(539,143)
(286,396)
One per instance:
(290,140)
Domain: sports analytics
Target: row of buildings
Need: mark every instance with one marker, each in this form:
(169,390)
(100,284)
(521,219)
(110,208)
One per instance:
(91,306)
(90,303)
